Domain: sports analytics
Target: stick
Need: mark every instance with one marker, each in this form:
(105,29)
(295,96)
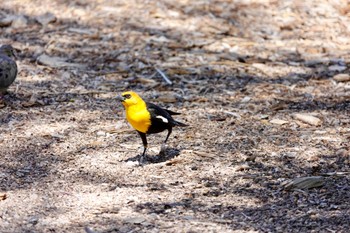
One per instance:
(166,79)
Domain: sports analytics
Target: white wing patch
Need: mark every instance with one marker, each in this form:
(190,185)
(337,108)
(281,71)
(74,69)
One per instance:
(163,119)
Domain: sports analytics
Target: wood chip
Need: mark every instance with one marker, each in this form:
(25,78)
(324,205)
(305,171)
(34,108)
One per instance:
(305,183)
(342,77)
(57,62)
(82,31)
(135,220)
(307,118)
(278,122)
(3,196)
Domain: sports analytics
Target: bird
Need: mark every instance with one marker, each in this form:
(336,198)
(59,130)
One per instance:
(147,118)
(8,68)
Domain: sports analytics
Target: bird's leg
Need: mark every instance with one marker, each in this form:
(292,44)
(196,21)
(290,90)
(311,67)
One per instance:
(163,147)
(169,132)
(144,142)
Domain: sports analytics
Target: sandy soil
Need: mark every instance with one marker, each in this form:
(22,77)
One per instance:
(241,71)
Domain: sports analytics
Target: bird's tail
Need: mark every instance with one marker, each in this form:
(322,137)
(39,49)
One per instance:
(171,112)
(177,123)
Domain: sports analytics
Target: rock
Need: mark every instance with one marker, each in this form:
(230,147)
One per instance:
(342,153)
(290,155)
(132,163)
(19,22)
(33,220)
(337,68)
(89,230)
(46,18)
(307,118)
(6,21)
(342,77)
(169,97)
(278,122)
(100,134)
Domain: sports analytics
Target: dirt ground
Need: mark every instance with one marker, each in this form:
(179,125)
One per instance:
(264,86)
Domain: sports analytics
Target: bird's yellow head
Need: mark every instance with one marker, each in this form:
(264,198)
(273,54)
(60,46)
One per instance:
(130,98)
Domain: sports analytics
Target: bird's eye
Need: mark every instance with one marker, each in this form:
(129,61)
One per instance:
(127,96)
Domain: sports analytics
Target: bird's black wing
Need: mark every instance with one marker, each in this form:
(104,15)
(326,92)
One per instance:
(160,119)
(159,112)
(163,116)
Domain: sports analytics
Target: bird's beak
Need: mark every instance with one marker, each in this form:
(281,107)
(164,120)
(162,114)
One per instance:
(120,98)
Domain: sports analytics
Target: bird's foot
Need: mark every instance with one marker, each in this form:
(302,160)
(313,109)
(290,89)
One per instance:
(142,160)
(163,148)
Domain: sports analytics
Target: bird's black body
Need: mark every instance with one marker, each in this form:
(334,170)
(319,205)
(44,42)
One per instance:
(159,116)
(161,120)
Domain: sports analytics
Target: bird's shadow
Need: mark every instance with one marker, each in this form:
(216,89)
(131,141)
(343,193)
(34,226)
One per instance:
(163,156)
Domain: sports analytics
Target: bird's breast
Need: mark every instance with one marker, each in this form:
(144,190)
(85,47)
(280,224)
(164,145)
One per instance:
(139,119)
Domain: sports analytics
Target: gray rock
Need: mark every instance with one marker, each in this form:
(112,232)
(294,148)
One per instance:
(19,22)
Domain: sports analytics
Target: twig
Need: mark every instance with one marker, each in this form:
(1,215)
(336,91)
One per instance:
(166,79)
(335,174)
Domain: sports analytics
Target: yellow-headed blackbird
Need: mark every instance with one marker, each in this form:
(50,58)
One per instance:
(147,118)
